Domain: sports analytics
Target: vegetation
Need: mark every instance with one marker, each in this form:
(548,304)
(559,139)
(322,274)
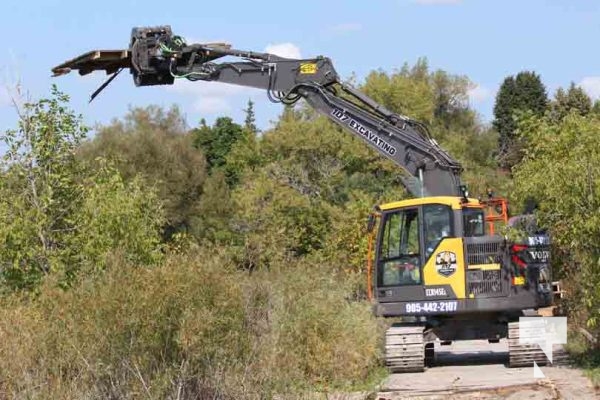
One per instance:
(163,261)
(561,168)
(196,326)
(60,216)
(585,356)
(522,93)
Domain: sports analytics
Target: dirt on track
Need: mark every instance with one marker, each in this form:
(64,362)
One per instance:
(477,370)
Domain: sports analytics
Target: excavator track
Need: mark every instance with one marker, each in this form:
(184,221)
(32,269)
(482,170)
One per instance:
(405,349)
(523,354)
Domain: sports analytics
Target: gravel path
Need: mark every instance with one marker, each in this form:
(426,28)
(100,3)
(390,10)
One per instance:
(477,370)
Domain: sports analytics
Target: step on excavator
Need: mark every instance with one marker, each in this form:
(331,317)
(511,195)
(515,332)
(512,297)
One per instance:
(437,267)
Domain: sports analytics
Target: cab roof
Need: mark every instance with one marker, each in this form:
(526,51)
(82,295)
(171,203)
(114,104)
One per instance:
(455,203)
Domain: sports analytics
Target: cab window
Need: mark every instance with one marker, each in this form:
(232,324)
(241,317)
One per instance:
(437,226)
(473,222)
(399,252)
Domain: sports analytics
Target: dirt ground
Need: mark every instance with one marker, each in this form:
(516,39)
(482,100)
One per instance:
(477,370)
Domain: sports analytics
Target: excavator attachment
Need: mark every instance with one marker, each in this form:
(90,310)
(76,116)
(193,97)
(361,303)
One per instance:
(96,60)
(150,58)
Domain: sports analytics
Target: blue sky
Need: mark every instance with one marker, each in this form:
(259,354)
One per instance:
(485,40)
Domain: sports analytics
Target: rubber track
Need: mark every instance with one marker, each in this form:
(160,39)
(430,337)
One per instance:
(405,349)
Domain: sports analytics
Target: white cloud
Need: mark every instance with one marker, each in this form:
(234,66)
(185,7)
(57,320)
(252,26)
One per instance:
(479,94)
(346,27)
(591,84)
(210,97)
(286,50)
(436,2)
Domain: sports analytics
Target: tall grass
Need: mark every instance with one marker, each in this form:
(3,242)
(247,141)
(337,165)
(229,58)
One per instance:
(194,327)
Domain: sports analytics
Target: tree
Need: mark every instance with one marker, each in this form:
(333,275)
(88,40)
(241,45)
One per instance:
(596,108)
(153,142)
(522,93)
(406,92)
(250,121)
(39,188)
(561,169)
(57,214)
(451,96)
(215,210)
(216,141)
(574,99)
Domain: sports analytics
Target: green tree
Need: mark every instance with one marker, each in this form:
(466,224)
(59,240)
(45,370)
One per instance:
(574,99)
(561,169)
(406,92)
(58,215)
(153,142)
(116,215)
(216,141)
(250,120)
(39,188)
(524,92)
(596,107)
(212,222)
(451,99)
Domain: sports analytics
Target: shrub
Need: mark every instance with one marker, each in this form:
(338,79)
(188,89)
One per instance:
(195,326)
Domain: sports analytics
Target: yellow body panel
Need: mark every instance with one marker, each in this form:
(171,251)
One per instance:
(455,202)
(485,267)
(431,274)
(519,280)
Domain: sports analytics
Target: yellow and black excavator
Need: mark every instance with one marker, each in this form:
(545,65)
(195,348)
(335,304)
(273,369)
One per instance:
(436,265)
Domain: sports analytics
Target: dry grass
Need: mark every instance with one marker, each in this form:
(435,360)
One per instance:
(195,327)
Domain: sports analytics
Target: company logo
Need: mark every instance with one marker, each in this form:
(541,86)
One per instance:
(445,263)
(541,256)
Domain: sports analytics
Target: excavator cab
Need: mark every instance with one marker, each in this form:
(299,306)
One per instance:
(419,253)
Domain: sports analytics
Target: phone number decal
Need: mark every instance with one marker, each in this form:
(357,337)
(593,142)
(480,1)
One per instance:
(432,307)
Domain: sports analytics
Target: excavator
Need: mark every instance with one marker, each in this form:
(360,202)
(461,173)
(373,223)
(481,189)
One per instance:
(436,269)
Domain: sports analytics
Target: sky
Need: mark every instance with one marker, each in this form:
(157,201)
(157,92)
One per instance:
(485,40)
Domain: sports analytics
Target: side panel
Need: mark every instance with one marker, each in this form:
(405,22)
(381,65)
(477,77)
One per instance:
(446,266)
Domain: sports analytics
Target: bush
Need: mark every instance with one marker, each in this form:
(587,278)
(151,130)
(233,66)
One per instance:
(195,326)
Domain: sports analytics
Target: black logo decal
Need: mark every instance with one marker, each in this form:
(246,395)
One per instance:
(445,263)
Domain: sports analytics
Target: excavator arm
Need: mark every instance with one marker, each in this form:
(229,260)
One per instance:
(157,57)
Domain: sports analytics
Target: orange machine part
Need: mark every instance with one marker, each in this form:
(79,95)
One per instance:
(496,210)
(371,237)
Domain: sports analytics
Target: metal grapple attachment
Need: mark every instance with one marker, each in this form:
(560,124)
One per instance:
(152,58)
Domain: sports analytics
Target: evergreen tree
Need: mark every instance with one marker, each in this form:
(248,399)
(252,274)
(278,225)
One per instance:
(522,93)
(250,121)
(216,141)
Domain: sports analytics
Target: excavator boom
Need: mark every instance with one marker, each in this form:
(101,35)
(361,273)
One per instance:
(157,57)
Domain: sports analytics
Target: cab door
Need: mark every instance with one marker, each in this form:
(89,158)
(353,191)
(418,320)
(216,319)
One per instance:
(444,266)
(399,256)
(419,256)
